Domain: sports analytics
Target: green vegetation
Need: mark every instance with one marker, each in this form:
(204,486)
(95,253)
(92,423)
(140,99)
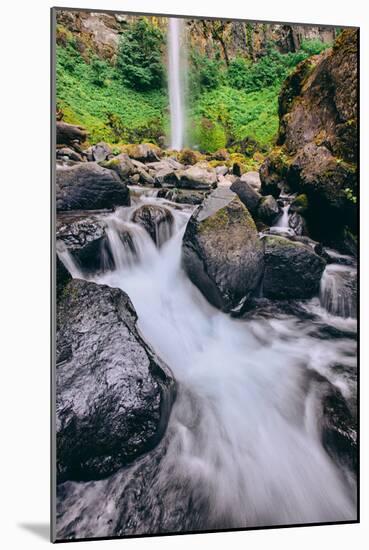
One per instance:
(94,96)
(140,56)
(238,114)
(126,101)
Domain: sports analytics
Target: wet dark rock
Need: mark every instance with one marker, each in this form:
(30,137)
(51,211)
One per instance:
(292,269)
(268,210)
(297,223)
(84,237)
(339,430)
(246,194)
(88,186)
(62,277)
(222,253)
(157,220)
(272,180)
(114,394)
(236,170)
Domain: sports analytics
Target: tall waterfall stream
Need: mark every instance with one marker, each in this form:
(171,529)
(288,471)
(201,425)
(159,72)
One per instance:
(243,446)
(175,83)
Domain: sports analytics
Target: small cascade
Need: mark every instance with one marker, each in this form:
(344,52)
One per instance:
(68,260)
(283,220)
(338,290)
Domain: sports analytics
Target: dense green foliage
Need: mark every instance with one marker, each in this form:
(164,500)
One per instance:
(205,73)
(239,114)
(128,103)
(99,101)
(140,56)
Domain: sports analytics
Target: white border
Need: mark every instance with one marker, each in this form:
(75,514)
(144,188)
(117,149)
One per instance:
(24,157)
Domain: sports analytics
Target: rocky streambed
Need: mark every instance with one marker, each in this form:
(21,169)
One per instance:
(206,370)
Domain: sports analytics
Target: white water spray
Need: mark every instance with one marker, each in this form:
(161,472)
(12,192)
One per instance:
(175,84)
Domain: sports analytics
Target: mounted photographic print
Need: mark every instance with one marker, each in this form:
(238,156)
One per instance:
(205,225)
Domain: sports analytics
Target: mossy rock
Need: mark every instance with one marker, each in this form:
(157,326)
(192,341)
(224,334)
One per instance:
(143,152)
(189,157)
(222,253)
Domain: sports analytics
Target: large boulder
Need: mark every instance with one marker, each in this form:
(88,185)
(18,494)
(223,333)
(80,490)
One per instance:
(196,177)
(292,269)
(247,194)
(157,220)
(222,252)
(88,186)
(317,140)
(113,394)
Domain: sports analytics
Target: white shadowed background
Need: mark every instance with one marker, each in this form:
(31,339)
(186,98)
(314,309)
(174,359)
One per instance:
(25,219)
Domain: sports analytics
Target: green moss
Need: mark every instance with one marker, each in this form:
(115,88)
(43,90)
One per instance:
(218,220)
(275,242)
(301,201)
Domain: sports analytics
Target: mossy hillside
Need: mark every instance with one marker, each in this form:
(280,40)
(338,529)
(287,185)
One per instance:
(110,111)
(240,105)
(234,115)
(115,113)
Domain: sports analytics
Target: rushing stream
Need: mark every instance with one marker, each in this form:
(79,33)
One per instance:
(243,447)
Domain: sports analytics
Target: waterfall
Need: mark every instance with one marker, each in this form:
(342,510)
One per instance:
(243,444)
(175,84)
(338,290)
(283,220)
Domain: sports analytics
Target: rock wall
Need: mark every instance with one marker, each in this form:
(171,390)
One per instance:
(99,33)
(317,139)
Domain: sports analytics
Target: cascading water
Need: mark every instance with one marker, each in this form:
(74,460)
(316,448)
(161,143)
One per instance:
(283,220)
(338,290)
(243,445)
(175,83)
